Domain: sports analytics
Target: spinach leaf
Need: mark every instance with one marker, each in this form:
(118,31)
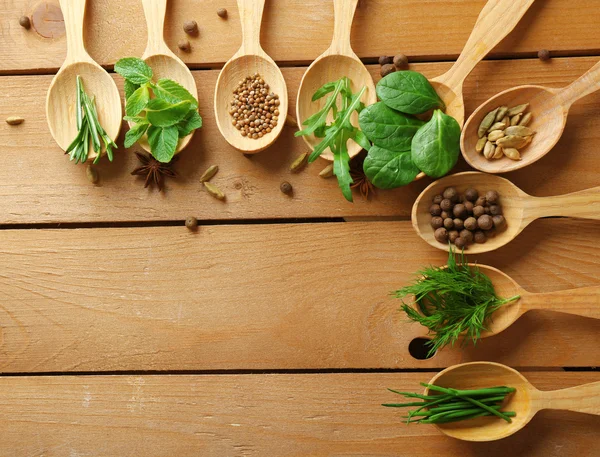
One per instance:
(389,169)
(163,142)
(408,92)
(436,146)
(388,128)
(134,70)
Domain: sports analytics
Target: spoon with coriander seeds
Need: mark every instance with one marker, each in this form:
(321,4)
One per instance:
(251,99)
(519,209)
(546,116)
(525,402)
(101,105)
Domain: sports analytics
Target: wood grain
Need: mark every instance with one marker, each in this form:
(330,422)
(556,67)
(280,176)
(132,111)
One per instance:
(264,297)
(409,26)
(257,416)
(37,184)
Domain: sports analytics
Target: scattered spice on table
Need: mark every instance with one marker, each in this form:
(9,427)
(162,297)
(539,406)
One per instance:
(327,172)
(503,132)
(25,22)
(185,46)
(153,170)
(286,188)
(92,174)
(14,120)
(361,182)
(384,60)
(222,13)
(214,191)
(451,301)
(254,108)
(543,55)
(190,27)
(400,62)
(299,163)
(191,223)
(209,173)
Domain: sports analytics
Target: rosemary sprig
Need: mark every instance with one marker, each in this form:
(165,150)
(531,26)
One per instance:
(452,301)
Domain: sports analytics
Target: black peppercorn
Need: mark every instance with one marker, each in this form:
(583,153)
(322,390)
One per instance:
(466,235)
(448,223)
(435,210)
(499,221)
(459,224)
(451,194)
(441,235)
(437,199)
(453,235)
(25,22)
(471,223)
(385,60)
(286,188)
(191,223)
(478,211)
(469,205)
(436,222)
(495,210)
(544,54)
(471,194)
(401,62)
(485,222)
(222,13)
(446,204)
(492,196)
(190,27)
(459,210)
(479,237)
(387,69)
(460,243)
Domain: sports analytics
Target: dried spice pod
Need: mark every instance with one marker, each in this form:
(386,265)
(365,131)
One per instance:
(286,188)
(222,13)
(543,55)
(495,135)
(190,27)
(512,153)
(489,149)
(191,223)
(526,119)
(208,174)
(519,130)
(327,172)
(387,69)
(14,120)
(25,22)
(383,60)
(299,163)
(481,144)
(92,174)
(506,121)
(498,153)
(401,61)
(501,113)
(516,119)
(519,109)
(497,126)
(214,191)
(487,122)
(511,141)
(290,121)
(185,46)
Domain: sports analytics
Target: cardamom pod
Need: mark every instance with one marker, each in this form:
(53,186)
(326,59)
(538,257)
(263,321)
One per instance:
(519,109)
(495,135)
(299,163)
(487,122)
(327,172)
(497,126)
(14,120)
(511,141)
(208,174)
(526,119)
(519,130)
(290,121)
(506,121)
(488,150)
(501,113)
(512,153)
(214,191)
(92,174)
(478,147)
(498,153)
(515,119)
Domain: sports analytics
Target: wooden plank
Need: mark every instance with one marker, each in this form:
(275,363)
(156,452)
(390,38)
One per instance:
(567,27)
(306,296)
(257,415)
(37,184)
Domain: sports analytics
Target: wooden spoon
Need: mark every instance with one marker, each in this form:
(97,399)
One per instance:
(549,108)
(250,59)
(525,402)
(496,20)
(584,301)
(337,61)
(61,100)
(519,208)
(164,63)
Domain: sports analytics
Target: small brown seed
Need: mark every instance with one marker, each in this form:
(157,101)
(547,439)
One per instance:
(387,69)
(384,60)
(478,211)
(487,122)
(512,153)
(190,27)
(469,205)
(289,120)
(437,199)
(492,197)
(401,62)
(436,222)
(214,191)
(485,222)
(448,223)
(25,22)
(459,210)
(286,188)
(543,54)
(470,223)
(451,194)
(495,135)
(519,130)
(299,163)
(501,113)
(467,235)
(222,13)
(459,224)
(441,235)
(526,119)
(495,210)
(208,174)
(460,242)
(445,214)
(446,204)
(479,237)
(519,109)
(92,174)
(499,221)
(453,235)
(327,172)
(191,223)
(185,46)
(480,144)
(14,120)
(481,201)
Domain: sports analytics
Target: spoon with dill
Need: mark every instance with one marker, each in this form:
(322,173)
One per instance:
(463,301)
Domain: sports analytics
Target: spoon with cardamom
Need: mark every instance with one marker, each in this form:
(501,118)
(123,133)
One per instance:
(549,109)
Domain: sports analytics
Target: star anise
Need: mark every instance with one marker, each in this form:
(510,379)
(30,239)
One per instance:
(153,170)
(360,179)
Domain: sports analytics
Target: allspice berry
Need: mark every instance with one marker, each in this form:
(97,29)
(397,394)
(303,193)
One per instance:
(387,69)
(446,204)
(384,60)
(460,242)
(467,235)
(469,206)
(437,199)
(492,197)
(471,223)
(459,224)
(448,223)
(191,223)
(544,54)
(401,62)
(441,235)
(479,237)
(445,215)
(478,211)
(286,188)
(460,210)
(435,210)
(25,22)
(471,194)
(481,201)
(222,13)
(499,221)
(190,27)
(436,222)
(185,46)
(453,235)
(485,222)
(451,194)
(495,210)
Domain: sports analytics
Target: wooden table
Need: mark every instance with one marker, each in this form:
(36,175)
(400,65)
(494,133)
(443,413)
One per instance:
(270,331)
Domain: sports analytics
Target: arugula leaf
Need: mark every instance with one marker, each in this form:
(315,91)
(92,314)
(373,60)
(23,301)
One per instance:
(389,169)
(173,92)
(130,88)
(191,122)
(319,119)
(135,133)
(137,101)
(436,146)
(324,90)
(161,113)
(134,70)
(341,165)
(388,128)
(163,142)
(408,92)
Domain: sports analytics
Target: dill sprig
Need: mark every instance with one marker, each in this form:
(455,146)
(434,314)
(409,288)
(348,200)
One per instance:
(451,301)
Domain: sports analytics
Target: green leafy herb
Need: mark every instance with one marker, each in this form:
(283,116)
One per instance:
(452,301)
(336,134)
(389,169)
(165,111)
(88,129)
(388,128)
(408,92)
(436,146)
(452,405)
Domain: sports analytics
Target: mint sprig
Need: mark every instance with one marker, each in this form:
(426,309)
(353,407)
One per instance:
(164,111)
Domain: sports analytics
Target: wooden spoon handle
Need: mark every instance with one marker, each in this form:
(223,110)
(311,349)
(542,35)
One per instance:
(584,204)
(251,13)
(343,14)
(155,11)
(583,399)
(585,85)
(582,302)
(73,12)
(496,20)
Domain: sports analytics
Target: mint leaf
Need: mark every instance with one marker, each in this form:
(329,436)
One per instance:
(191,122)
(130,88)
(164,114)
(135,119)
(135,133)
(137,101)
(134,70)
(163,142)
(173,92)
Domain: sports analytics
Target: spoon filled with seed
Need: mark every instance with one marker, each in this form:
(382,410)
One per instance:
(521,125)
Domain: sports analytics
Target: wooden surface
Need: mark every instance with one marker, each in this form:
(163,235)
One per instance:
(123,334)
